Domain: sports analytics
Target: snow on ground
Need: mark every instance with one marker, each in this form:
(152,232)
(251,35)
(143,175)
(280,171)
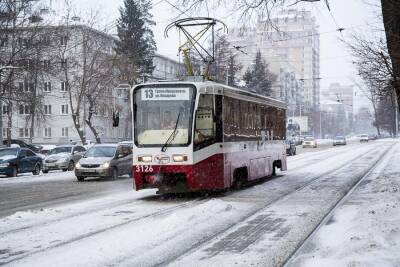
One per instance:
(144,240)
(132,228)
(269,236)
(29,178)
(365,230)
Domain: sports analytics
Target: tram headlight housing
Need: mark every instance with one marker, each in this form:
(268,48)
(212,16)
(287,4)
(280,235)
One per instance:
(145,158)
(179,158)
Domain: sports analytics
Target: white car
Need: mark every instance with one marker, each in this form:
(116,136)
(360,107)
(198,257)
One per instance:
(364,138)
(310,141)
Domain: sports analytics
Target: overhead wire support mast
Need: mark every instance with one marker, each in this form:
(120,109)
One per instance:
(193,41)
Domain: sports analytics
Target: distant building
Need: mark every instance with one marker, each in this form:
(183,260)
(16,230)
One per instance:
(296,43)
(341,97)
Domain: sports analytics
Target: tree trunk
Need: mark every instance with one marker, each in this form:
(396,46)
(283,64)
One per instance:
(391,22)
(94,131)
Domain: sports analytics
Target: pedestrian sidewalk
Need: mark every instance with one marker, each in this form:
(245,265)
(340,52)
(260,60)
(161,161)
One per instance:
(365,229)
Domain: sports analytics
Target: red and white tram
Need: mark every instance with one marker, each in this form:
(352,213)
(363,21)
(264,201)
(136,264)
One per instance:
(192,136)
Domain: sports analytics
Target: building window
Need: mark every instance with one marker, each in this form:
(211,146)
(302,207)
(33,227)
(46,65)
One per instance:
(64,109)
(4,132)
(63,40)
(26,87)
(64,132)
(46,64)
(24,110)
(24,132)
(47,132)
(47,109)
(47,87)
(4,41)
(64,87)
(5,109)
(63,63)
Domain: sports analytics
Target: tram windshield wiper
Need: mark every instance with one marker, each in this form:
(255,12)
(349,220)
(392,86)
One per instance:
(173,134)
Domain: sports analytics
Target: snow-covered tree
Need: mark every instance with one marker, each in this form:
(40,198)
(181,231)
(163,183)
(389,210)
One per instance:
(258,78)
(136,46)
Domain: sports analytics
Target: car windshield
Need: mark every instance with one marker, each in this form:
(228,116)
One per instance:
(156,115)
(62,149)
(101,151)
(8,152)
(339,137)
(309,138)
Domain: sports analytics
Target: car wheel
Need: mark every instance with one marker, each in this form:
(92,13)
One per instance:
(45,171)
(80,178)
(71,166)
(114,174)
(36,170)
(295,151)
(14,172)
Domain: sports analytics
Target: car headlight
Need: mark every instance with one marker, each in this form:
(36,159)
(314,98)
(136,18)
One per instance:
(78,165)
(4,165)
(105,165)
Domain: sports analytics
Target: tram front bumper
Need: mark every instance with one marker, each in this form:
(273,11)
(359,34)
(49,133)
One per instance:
(174,177)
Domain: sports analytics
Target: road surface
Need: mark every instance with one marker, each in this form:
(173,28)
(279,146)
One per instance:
(53,220)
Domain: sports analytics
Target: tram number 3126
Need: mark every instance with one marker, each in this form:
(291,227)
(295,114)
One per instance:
(144,168)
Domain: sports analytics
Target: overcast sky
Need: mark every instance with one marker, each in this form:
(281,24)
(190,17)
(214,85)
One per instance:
(336,66)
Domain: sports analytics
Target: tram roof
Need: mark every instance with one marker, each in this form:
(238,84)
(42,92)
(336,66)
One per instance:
(222,89)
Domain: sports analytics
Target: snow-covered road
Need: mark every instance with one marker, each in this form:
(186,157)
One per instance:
(262,225)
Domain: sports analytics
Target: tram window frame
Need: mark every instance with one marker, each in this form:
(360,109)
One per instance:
(216,121)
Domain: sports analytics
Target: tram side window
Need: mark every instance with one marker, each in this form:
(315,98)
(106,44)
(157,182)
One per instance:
(204,133)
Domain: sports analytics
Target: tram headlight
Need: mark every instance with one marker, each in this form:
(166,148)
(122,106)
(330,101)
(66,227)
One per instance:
(179,158)
(145,158)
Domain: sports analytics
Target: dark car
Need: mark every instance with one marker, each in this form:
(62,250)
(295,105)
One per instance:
(14,160)
(290,147)
(22,143)
(105,160)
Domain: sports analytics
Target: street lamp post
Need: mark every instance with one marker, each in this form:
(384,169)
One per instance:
(1,101)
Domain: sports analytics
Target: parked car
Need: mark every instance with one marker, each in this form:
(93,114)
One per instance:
(309,141)
(14,160)
(22,143)
(290,147)
(105,160)
(339,140)
(364,138)
(63,158)
(46,149)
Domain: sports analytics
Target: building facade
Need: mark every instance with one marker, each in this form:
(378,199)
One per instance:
(59,90)
(294,42)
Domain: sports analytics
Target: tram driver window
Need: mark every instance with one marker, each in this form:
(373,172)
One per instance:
(204,133)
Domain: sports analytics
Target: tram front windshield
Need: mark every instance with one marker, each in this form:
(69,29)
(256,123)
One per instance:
(162,115)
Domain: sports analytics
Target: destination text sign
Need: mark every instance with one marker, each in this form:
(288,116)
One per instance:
(165,94)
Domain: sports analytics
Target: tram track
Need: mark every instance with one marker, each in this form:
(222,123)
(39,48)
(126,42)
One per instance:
(113,205)
(162,212)
(214,236)
(218,235)
(337,205)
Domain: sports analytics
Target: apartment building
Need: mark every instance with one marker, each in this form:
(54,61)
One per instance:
(58,90)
